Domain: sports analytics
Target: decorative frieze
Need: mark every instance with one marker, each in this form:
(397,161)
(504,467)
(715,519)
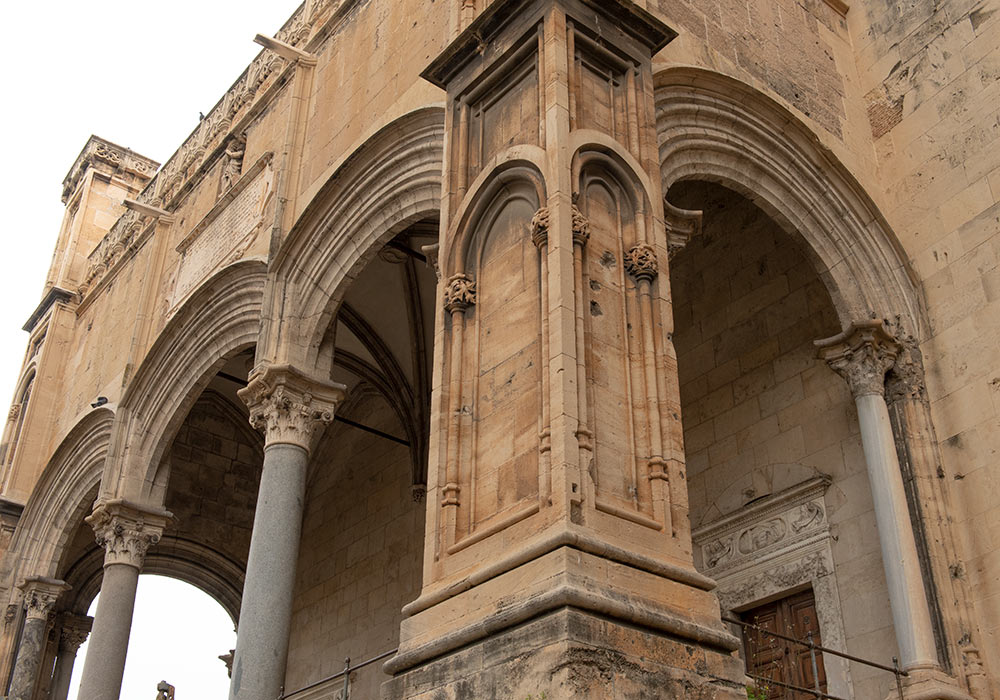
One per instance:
(861,355)
(460,293)
(108,158)
(774,524)
(289,407)
(127,531)
(640,262)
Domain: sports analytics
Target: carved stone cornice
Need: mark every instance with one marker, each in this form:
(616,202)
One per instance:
(73,631)
(289,407)
(581,227)
(460,293)
(641,263)
(540,227)
(41,595)
(127,530)
(862,355)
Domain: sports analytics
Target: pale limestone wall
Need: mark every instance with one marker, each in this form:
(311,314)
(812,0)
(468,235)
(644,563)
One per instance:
(931,77)
(761,413)
(360,558)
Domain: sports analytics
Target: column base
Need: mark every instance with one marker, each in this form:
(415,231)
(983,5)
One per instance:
(930,684)
(570,653)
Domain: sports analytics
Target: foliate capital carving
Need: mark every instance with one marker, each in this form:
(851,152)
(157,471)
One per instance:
(73,632)
(540,227)
(290,407)
(641,263)
(460,293)
(127,531)
(581,227)
(41,595)
(862,355)
(906,378)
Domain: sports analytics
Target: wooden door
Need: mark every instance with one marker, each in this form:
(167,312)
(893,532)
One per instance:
(778,659)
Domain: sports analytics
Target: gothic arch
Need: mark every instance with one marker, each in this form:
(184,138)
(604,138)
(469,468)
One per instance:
(59,501)
(219,320)
(712,127)
(390,182)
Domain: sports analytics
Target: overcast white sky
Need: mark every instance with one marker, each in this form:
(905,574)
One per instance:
(137,74)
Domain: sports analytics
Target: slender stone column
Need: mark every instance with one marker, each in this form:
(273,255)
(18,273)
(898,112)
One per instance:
(126,531)
(292,411)
(73,632)
(862,355)
(40,596)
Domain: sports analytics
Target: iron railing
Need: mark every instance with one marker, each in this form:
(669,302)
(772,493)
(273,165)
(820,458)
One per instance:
(816,692)
(345,691)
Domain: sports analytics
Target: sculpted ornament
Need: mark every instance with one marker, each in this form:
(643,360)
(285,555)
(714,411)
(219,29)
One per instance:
(862,355)
(127,531)
(640,262)
(289,407)
(460,293)
(74,632)
(40,596)
(581,227)
(540,227)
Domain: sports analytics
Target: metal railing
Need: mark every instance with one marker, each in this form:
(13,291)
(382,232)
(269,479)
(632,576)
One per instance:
(816,692)
(345,691)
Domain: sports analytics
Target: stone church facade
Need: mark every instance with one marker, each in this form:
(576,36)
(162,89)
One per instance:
(514,345)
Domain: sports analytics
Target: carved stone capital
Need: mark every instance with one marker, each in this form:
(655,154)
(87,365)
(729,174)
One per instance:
(540,227)
(906,378)
(290,407)
(862,355)
(126,530)
(581,227)
(73,632)
(41,595)
(460,293)
(641,263)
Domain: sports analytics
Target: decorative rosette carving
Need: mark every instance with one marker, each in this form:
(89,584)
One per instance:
(581,227)
(127,531)
(540,227)
(640,262)
(861,355)
(40,596)
(289,407)
(460,293)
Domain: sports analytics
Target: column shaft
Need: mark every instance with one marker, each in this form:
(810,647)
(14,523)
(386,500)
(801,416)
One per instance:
(910,614)
(266,610)
(104,664)
(29,655)
(63,675)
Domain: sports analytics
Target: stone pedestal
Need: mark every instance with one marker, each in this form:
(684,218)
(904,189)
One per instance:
(558,548)
(292,411)
(40,597)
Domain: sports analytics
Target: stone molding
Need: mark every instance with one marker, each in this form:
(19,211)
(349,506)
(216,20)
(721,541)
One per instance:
(460,293)
(289,407)
(862,355)
(41,595)
(127,531)
(641,263)
(73,631)
(682,225)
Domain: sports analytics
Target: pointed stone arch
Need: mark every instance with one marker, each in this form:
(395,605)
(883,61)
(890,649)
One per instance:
(221,319)
(715,128)
(390,182)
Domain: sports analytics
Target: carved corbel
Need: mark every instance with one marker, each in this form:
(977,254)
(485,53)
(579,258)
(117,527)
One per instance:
(682,225)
